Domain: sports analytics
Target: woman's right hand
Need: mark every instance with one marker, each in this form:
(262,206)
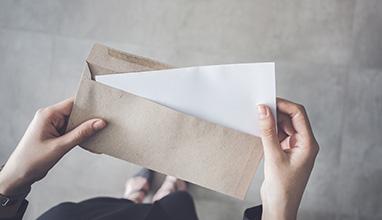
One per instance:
(44,143)
(289,157)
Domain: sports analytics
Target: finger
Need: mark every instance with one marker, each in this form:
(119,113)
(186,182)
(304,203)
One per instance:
(64,107)
(81,133)
(284,124)
(269,135)
(297,114)
(285,144)
(282,135)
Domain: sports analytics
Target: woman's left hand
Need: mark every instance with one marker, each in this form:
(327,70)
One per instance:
(43,145)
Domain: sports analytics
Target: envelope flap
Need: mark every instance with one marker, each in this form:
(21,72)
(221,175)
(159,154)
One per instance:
(104,60)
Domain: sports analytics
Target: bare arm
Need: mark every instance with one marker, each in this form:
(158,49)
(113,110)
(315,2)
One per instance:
(42,146)
(289,157)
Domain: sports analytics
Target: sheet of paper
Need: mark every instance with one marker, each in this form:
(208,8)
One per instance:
(223,94)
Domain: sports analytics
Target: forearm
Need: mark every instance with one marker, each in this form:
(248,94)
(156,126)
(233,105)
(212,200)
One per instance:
(12,197)
(281,206)
(10,185)
(278,213)
(42,146)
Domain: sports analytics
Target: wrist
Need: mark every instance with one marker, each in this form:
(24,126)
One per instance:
(12,198)
(279,206)
(279,213)
(10,186)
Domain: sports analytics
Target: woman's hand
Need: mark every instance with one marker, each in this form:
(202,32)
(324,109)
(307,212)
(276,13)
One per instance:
(289,157)
(42,146)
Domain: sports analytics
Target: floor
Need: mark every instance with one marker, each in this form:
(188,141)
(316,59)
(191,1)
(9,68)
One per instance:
(328,56)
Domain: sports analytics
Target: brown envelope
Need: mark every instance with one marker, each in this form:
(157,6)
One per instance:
(157,137)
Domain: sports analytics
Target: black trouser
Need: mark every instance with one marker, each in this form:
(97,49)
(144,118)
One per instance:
(178,205)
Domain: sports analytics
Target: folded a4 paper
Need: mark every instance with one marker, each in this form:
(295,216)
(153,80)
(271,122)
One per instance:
(222,94)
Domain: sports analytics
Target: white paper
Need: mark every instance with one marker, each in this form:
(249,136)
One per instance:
(223,94)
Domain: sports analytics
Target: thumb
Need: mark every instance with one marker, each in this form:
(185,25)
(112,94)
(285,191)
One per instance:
(82,132)
(269,136)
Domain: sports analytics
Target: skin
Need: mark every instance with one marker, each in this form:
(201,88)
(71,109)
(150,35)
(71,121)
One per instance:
(289,157)
(135,185)
(289,154)
(170,184)
(42,146)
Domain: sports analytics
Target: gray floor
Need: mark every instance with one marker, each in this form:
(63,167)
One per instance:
(328,55)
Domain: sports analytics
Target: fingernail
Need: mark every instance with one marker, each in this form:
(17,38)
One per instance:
(99,124)
(262,110)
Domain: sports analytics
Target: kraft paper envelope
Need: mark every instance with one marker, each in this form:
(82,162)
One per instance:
(160,138)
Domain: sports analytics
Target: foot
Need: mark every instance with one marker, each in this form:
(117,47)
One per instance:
(171,184)
(138,186)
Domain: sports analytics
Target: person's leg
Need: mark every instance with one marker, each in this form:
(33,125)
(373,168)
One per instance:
(109,208)
(179,205)
(138,186)
(173,198)
(90,209)
(171,184)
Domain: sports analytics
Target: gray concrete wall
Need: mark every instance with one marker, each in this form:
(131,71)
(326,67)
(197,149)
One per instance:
(328,56)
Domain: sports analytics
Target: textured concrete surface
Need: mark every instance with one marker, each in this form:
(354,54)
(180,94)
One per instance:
(328,55)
